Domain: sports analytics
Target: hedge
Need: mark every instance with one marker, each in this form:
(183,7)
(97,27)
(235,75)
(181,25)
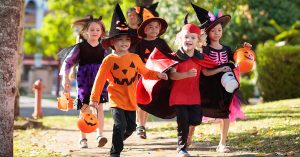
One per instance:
(278,72)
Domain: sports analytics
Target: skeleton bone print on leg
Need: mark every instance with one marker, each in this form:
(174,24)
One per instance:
(219,57)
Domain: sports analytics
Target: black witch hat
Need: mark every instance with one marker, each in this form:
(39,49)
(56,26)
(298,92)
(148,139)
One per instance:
(210,19)
(118,27)
(152,8)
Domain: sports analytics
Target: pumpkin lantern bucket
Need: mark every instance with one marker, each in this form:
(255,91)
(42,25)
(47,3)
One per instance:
(244,58)
(65,102)
(87,122)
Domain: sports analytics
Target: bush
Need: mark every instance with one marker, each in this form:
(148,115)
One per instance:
(247,89)
(278,72)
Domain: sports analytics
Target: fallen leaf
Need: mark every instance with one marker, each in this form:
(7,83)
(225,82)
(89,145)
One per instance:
(290,153)
(260,154)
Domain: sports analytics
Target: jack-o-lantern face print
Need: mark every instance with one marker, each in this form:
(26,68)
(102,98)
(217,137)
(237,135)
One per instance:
(124,74)
(87,122)
(90,120)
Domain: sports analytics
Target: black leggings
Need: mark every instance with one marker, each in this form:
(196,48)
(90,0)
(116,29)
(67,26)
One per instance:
(124,123)
(187,115)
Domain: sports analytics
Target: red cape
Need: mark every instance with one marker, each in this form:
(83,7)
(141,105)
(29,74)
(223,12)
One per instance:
(153,95)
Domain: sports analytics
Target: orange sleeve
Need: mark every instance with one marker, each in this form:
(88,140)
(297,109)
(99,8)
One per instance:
(146,73)
(100,80)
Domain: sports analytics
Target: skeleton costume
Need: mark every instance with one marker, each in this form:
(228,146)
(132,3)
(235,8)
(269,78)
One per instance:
(217,102)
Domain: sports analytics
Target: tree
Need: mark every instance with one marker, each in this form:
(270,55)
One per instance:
(56,32)
(9,43)
(18,71)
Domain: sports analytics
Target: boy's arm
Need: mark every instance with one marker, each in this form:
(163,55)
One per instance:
(174,75)
(100,80)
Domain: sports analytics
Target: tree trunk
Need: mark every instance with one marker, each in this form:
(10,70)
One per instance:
(18,72)
(10,16)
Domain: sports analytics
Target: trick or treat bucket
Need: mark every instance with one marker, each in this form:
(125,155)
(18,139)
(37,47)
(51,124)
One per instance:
(65,102)
(229,82)
(244,58)
(87,122)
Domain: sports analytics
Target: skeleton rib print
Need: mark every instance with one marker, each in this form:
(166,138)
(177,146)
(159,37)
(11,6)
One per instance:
(219,57)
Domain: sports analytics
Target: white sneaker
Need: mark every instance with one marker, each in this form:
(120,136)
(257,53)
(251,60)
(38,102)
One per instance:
(222,149)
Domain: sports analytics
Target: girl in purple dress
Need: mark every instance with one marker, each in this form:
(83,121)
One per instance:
(88,54)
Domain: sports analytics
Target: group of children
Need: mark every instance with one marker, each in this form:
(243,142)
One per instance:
(103,77)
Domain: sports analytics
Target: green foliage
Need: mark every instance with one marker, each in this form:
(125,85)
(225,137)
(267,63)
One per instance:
(56,32)
(290,35)
(250,22)
(32,42)
(174,12)
(247,89)
(278,71)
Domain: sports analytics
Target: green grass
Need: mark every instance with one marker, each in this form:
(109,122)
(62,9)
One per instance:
(270,127)
(25,145)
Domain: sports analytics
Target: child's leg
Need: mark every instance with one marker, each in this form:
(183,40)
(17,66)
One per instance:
(141,120)
(195,118)
(131,125)
(100,138)
(83,140)
(190,136)
(224,126)
(118,131)
(182,126)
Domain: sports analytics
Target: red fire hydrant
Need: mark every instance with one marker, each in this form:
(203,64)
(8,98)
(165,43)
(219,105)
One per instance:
(38,87)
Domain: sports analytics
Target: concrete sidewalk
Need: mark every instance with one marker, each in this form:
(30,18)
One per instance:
(49,107)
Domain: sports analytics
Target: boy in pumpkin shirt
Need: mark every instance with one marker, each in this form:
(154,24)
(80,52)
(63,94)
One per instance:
(121,69)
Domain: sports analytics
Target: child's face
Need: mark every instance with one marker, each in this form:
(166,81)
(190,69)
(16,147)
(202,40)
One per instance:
(133,18)
(94,31)
(215,34)
(189,41)
(121,43)
(152,29)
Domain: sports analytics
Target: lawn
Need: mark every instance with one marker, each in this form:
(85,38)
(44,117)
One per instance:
(269,128)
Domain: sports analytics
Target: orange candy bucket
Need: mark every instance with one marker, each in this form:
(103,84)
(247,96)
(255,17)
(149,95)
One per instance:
(87,122)
(65,102)
(244,58)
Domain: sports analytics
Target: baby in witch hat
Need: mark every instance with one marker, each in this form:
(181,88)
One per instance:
(121,69)
(150,30)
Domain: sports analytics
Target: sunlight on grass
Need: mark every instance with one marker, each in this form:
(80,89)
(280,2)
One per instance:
(269,127)
(26,145)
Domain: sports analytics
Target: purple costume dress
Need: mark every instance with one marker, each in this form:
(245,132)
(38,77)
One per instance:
(89,59)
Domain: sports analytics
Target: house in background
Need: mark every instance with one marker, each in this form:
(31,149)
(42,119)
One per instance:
(36,66)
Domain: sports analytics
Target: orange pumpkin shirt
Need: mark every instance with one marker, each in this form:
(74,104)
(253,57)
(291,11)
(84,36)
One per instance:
(122,74)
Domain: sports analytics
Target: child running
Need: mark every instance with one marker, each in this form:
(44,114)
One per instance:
(121,69)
